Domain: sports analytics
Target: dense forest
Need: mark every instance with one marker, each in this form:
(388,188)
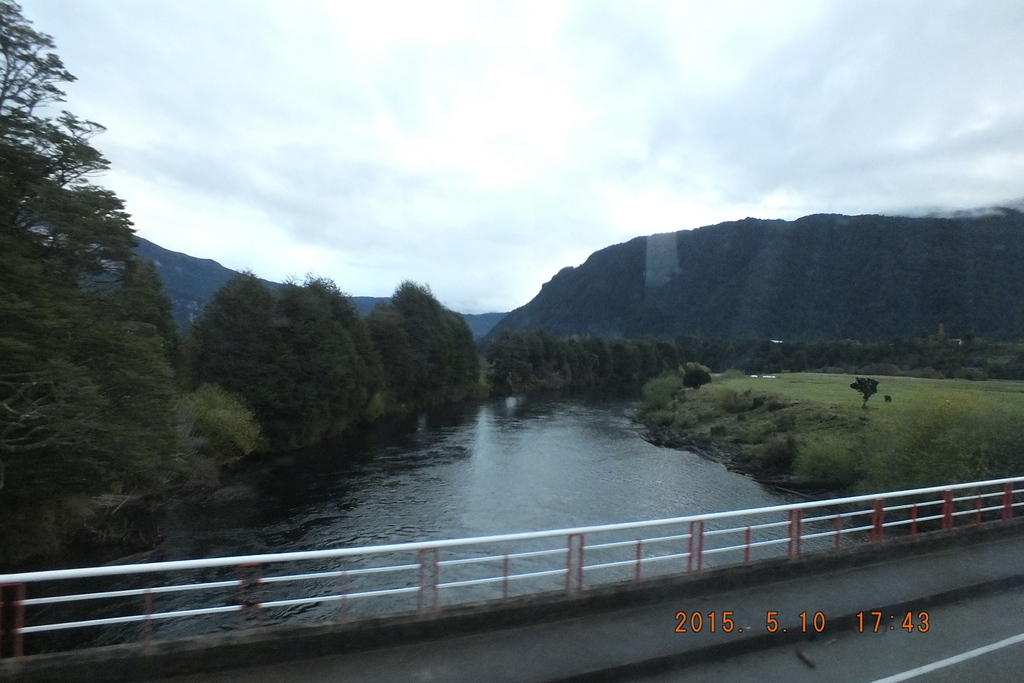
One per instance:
(933,355)
(518,361)
(309,366)
(819,278)
(87,394)
(102,402)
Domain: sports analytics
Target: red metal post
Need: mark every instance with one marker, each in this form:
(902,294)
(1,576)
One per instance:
(977,509)
(639,558)
(147,624)
(1007,500)
(429,576)
(700,545)
(12,611)
(795,532)
(913,519)
(746,547)
(571,566)
(839,530)
(947,510)
(878,520)
(504,579)
(343,588)
(19,620)
(250,580)
(696,546)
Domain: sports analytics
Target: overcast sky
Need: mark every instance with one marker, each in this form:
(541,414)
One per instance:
(479,147)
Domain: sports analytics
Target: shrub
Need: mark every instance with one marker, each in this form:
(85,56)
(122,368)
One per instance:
(927,373)
(695,375)
(735,402)
(880,369)
(660,392)
(775,454)
(944,439)
(660,418)
(827,462)
(784,422)
(973,374)
(219,423)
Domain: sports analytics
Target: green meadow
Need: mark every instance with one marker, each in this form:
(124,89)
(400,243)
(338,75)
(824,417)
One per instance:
(935,431)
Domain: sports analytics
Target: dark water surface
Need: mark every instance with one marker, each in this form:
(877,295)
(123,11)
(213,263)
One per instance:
(506,465)
(503,466)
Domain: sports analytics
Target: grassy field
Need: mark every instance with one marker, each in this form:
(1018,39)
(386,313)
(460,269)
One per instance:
(814,425)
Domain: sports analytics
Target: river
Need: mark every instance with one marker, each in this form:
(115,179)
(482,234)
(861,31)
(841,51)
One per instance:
(502,466)
(505,465)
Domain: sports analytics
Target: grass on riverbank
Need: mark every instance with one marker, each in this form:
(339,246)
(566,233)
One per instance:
(813,425)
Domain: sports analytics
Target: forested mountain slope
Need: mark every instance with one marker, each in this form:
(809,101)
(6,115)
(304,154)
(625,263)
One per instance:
(816,278)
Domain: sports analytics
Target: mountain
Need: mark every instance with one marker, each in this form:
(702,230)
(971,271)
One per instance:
(482,323)
(820,277)
(365,304)
(191,281)
(187,280)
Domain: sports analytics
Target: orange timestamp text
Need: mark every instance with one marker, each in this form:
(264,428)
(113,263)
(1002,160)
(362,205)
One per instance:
(878,621)
(724,621)
(695,622)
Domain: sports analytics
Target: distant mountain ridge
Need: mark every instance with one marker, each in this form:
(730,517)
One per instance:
(820,277)
(190,282)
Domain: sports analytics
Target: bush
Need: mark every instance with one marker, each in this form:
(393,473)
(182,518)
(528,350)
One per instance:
(973,374)
(660,418)
(827,462)
(945,439)
(659,393)
(775,454)
(695,375)
(926,373)
(219,423)
(738,402)
(887,369)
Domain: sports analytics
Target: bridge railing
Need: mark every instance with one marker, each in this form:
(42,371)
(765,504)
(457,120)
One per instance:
(63,609)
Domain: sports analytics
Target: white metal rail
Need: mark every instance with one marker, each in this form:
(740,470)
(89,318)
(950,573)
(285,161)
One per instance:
(62,609)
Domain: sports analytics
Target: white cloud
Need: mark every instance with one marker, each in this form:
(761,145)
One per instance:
(481,146)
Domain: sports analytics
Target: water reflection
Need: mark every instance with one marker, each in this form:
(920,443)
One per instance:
(503,466)
(506,465)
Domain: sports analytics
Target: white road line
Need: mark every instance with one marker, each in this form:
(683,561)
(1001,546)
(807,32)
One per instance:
(943,663)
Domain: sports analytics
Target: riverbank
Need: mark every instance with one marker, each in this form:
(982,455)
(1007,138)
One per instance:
(811,431)
(454,472)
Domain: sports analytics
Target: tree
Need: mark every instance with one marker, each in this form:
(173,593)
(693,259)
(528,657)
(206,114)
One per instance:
(510,368)
(303,360)
(427,350)
(866,387)
(695,375)
(237,345)
(219,424)
(86,392)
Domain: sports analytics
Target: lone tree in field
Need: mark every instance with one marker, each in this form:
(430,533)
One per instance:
(865,386)
(695,375)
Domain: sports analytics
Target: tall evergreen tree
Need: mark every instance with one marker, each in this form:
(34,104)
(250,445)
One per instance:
(427,350)
(301,358)
(86,400)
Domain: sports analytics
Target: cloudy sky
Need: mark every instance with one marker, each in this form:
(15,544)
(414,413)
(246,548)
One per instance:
(479,147)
